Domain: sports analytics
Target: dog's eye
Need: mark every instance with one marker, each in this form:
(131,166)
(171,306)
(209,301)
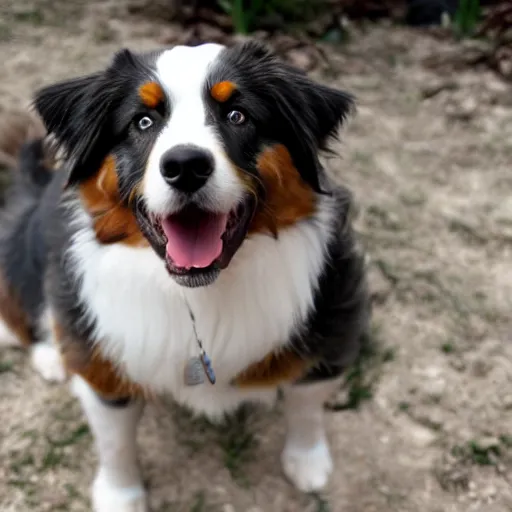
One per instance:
(144,123)
(236,117)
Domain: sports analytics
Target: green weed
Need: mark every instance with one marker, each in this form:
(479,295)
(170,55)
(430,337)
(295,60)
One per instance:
(246,15)
(6,366)
(448,348)
(73,438)
(467,17)
(199,503)
(322,505)
(479,453)
(362,376)
(237,443)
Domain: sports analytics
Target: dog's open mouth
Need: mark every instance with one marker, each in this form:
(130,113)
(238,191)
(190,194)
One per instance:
(194,238)
(197,243)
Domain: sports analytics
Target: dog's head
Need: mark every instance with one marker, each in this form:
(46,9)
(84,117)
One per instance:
(201,146)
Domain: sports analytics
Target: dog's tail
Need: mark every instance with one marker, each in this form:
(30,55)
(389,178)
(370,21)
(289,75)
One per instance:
(16,128)
(25,152)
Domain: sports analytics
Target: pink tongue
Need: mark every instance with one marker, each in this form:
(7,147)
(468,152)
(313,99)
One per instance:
(194,238)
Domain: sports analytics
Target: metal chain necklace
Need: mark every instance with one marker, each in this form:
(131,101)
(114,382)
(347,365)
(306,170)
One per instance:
(197,367)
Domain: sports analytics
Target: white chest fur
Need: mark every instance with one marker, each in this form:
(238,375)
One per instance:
(142,320)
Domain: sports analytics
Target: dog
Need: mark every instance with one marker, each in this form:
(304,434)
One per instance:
(190,242)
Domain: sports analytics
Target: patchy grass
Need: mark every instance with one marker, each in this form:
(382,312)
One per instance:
(52,459)
(506,440)
(320,503)
(34,16)
(234,436)
(73,437)
(404,406)
(485,452)
(6,366)
(363,375)
(457,467)
(238,443)
(199,504)
(73,493)
(5,36)
(448,348)
(20,461)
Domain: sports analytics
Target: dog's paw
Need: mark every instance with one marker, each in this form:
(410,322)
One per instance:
(308,469)
(47,362)
(107,498)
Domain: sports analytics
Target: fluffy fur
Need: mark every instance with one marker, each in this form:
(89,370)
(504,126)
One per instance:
(227,137)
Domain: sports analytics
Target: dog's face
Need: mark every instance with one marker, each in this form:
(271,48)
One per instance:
(200,145)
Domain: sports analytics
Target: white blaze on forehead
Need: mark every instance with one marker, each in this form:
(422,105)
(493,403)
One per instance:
(182,72)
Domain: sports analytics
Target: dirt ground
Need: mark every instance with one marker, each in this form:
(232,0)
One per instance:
(429,158)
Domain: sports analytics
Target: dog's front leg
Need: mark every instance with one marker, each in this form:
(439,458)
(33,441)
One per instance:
(306,457)
(118,484)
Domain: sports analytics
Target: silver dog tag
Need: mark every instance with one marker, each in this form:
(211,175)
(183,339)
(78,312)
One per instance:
(194,372)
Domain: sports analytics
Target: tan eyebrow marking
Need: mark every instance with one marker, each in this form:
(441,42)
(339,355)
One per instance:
(151,94)
(222,91)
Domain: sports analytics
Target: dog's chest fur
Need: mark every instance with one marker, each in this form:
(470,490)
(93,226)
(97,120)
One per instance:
(142,321)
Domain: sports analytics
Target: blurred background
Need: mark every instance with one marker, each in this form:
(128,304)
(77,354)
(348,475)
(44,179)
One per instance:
(424,420)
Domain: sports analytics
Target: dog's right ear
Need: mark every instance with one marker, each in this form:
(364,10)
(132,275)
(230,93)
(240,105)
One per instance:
(59,104)
(79,113)
(76,113)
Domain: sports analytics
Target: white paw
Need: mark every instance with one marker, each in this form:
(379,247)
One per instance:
(47,361)
(107,498)
(308,470)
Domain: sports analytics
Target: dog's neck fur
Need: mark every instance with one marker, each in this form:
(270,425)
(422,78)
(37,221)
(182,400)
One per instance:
(142,323)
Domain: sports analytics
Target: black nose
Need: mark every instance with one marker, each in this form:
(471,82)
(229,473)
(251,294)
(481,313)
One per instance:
(186,168)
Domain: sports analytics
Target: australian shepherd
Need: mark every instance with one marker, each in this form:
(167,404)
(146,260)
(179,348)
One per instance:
(189,242)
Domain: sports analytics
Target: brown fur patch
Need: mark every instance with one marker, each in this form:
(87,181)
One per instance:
(289,198)
(80,358)
(13,314)
(275,368)
(151,94)
(113,221)
(107,380)
(222,91)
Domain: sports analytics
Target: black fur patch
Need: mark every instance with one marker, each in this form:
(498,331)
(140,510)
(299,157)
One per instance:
(341,312)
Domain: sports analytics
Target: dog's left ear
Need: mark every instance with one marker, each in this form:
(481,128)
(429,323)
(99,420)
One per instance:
(312,112)
(327,109)
(315,112)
